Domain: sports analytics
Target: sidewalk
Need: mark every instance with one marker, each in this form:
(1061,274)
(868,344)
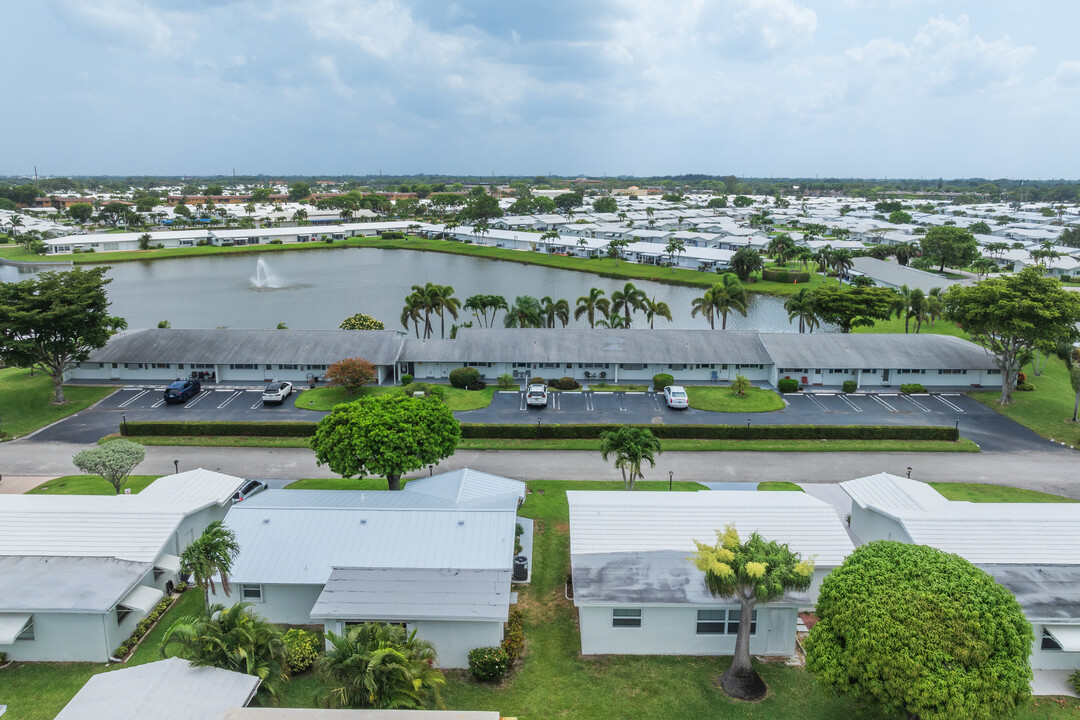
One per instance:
(19,484)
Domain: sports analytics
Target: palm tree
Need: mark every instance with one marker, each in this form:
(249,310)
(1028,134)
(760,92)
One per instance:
(905,251)
(627,300)
(902,305)
(842,261)
(654,309)
(823,259)
(450,226)
(232,639)
(583,242)
(413,312)
(211,554)
(553,310)
(801,306)
(477,304)
(934,307)
(495,303)
(300,216)
(720,300)
(917,309)
(631,447)
(443,302)
(524,313)
(15,222)
(614,321)
(588,305)
(740,385)
(781,247)
(379,666)
(674,247)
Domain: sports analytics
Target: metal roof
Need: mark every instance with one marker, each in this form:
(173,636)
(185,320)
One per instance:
(1046,592)
(892,274)
(191,491)
(310,347)
(165,690)
(137,536)
(400,595)
(875,350)
(12,625)
(661,577)
(142,598)
(622,522)
(302,545)
(890,491)
(591,346)
(36,583)
(377,500)
(467,485)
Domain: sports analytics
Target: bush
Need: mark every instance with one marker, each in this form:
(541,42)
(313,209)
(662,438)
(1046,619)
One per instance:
(850,386)
(909,388)
(506,380)
(143,627)
(537,381)
(715,432)
(488,663)
(661,381)
(478,385)
(428,389)
(1074,679)
(514,636)
(393,235)
(351,374)
(329,240)
(1021,377)
(276,242)
(464,377)
(566,383)
(788,385)
(301,649)
(242,428)
(780,275)
(1025,387)
(406,379)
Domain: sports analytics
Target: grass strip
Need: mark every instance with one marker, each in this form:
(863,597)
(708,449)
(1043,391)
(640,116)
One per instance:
(90,485)
(985,493)
(26,401)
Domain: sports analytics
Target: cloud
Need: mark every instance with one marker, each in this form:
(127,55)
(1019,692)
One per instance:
(132,24)
(880,51)
(958,61)
(1068,74)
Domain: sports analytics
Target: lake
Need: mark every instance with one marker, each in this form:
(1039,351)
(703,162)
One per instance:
(317,290)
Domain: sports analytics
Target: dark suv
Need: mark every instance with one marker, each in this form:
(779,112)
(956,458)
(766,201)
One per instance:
(181,390)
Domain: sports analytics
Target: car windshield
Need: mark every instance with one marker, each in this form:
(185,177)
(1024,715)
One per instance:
(536,392)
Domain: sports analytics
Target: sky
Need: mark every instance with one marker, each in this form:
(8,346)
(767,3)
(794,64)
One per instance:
(754,88)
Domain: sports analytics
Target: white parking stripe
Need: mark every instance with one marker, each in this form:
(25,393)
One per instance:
(916,403)
(816,403)
(158,404)
(589,401)
(852,405)
(228,400)
(877,399)
(197,400)
(957,408)
(132,399)
(522,402)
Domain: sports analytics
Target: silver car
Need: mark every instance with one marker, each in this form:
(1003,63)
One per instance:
(276,392)
(675,396)
(536,395)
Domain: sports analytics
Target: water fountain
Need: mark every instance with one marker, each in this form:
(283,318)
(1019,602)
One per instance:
(263,279)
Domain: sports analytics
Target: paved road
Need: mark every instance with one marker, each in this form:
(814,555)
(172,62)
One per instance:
(1057,472)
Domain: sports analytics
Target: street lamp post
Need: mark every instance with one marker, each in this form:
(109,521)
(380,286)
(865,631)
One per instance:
(124,417)
(909,472)
(670,477)
(537,428)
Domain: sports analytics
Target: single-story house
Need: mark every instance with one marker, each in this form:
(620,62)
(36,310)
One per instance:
(170,689)
(436,557)
(1033,549)
(80,572)
(638,593)
(893,275)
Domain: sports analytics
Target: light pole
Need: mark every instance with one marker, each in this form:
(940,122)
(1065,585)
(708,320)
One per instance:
(670,477)
(176,466)
(537,428)
(909,472)
(124,417)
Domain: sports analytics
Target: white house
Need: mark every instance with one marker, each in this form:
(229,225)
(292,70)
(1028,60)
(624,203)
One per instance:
(436,557)
(79,572)
(638,593)
(1033,549)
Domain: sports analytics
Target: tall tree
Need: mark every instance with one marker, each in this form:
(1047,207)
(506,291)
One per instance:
(949,245)
(631,447)
(842,260)
(234,639)
(385,435)
(360,321)
(413,312)
(856,307)
(1012,316)
(801,306)
(589,305)
(211,555)
(443,303)
(627,300)
(553,310)
(113,461)
(921,632)
(675,247)
(754,572)
(525,312)
(654,309)
(781,247)
(54,320)
(745,262)
(720,300)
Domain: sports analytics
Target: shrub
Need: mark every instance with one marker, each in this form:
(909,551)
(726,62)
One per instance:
(716,432)
(393,235)
(3,658)
(788,385)
(1025,387)
(464,377)
(301,649)
(514,635)
(351,374)
(506,380)
(661,381)
(909,388)
(406,379)
(276,242)
(850,386)
(1021,377)
(488,663)
(780,275)
(537,381)
(478,385)
(428,389)
(566,383)
(329,240)
(242,428)
(1074,679)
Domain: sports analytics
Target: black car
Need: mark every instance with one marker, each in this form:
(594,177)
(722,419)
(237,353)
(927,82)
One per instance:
(182,390)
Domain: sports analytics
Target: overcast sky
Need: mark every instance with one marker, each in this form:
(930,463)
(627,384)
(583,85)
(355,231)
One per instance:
(864,88)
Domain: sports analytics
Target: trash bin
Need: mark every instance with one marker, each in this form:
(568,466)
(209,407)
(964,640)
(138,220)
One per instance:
(521,568)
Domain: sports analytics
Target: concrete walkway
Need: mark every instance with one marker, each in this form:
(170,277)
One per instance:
(19,484)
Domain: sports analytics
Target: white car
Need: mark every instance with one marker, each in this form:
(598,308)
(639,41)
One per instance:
(536,395)
(276,392)
(675,396)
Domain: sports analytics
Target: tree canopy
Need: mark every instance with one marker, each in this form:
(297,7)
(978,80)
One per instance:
(949,245)
(854,307)
(605,204)
(745,262)
(1014,315)
(360,321)
(54,320)
(631,447)
(113,461)
(387,435)
(921,632)
(211,554)
(351,374)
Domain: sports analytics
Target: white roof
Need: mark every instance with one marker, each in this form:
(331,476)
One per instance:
(123,534)
(11,626)
(165,690)
(622,522)
(1068,636)
(142,598)
(467,484)
(191,491)
(66,584)
(890,491)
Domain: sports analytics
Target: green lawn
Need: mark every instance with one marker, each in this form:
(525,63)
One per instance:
(456,399)
(89,485)
(340,484)
(896,325)
(1047,409)
(781,485)
(981,492)
(605,387)
(717,398)
(26,402)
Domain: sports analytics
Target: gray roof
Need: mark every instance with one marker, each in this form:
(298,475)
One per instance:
(467,485)
(660,577)
(591,346)
(890,274)
(1046,592)
(165,690)
(398,595)
(35,583)
(875,350)
(309,347)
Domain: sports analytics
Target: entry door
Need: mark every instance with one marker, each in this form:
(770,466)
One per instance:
(268,372)
(885,376)
(114,372)
(725,372)
(777,639)
(817,376)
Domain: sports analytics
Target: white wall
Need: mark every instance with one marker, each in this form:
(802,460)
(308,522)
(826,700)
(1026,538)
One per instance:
(66,637)
(454,639)
(869,525)
(1051,659)
(284,604)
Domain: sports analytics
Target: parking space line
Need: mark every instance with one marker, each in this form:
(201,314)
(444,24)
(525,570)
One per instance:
(158,404)
(258,403)
(656,401)
(229,399)
(555,401)
(852,405)
(622,402)
(589,402)
(133,399)
(877,399)
(199,399)
(522,396)
(957,408)
(819,406)
(916,403)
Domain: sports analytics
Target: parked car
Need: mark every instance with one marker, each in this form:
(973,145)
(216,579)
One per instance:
(536,395)
(182,390)
(675,396)
(249,488)
(276,392)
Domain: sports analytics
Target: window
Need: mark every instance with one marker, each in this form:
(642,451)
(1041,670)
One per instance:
(1049,642)
(243,366)
(723,622)
(625,617)
(868,370)
(952,372)
(161,366)
(751,366)
(631,366)
(27,632)
(251,593)
(677,366)
(838,371)
(286,367)
(122,614)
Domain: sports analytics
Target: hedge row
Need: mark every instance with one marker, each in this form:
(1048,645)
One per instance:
(585,431)
(784,276)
